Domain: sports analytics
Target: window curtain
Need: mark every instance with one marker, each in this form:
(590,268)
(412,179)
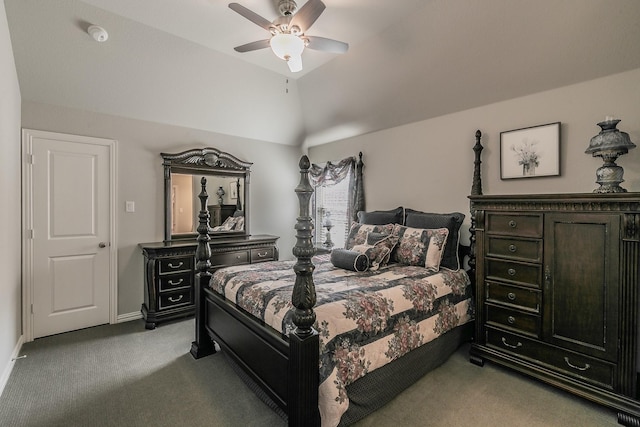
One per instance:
(333,173)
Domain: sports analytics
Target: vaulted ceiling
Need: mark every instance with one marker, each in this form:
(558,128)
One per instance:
(172,61)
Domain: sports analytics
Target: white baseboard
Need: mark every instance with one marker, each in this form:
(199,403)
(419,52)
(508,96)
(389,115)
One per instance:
(7,370)
(129,317)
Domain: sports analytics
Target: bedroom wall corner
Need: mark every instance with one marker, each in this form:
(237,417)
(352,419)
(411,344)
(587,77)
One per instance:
(10,215)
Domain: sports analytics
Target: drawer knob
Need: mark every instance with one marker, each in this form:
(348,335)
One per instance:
(180,264)
(579,368)
(506,344)
(511,296)
(238,257)
(512,248)
(511,272)
(513,224)
(511,320)
(171,282)
(175,300)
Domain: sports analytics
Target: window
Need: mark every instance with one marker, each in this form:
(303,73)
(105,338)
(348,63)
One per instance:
(338,194)
(332,202)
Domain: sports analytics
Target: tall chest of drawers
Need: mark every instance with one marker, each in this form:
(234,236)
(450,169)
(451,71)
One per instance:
(557,292)
(169,271)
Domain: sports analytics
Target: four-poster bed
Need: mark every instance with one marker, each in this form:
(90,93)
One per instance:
(293,356)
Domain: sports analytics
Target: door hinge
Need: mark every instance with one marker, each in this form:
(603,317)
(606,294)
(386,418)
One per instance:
(30,233)
(30,159)
(31,308)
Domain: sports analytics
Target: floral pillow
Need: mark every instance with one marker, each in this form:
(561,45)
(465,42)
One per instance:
(358,233)
(229,224)
(377,248)
(420,247)
(239,223)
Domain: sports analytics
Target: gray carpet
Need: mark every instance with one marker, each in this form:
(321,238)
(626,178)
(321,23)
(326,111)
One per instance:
(124,375)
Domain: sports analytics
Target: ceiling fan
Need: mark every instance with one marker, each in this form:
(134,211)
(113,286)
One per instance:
(288,38)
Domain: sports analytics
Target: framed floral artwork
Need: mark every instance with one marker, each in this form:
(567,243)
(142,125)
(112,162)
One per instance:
(530,152)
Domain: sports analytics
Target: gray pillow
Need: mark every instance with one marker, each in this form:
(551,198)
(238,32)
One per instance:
(349,260)
(393,216)
(451,221)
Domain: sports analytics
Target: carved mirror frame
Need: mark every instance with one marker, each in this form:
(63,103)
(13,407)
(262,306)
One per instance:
(204,161)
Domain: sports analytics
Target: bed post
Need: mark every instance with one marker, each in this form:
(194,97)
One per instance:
(476,189)
(202,346)
(304,357)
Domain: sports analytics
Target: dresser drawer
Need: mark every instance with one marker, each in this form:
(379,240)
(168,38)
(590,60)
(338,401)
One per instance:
(514,272)
(566,362)
(230,258)
(263,254)
(172,265)
(525,323)
(524,299)
(175,299)
(170,282)
(521,249)
(525,225)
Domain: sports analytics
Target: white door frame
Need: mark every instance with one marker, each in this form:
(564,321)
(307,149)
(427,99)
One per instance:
(27,222)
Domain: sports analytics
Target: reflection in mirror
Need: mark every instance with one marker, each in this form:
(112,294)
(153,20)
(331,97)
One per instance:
(227,187)
(182,191)
(226,203)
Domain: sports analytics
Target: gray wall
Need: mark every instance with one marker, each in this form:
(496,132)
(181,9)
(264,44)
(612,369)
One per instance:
(274,176)
(428,165)
(10,289)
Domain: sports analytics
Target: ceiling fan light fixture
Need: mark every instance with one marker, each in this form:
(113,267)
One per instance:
(288,47)
(288,32)
(295,64)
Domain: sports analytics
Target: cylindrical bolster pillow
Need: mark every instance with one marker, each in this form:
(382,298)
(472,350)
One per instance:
(349,260)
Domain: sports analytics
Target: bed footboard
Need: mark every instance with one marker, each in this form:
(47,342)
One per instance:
(203,345)
(304,358)
(286,371)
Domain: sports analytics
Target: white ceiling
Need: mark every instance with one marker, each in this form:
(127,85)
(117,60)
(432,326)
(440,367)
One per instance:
(172,61)
(212,24)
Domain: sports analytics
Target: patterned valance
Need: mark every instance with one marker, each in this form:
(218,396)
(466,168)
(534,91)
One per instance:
(333,173)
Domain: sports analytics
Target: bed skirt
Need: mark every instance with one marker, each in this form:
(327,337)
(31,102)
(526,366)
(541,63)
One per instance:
(379,387)
(366,395)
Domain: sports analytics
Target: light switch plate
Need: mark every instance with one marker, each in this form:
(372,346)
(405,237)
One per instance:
(130,206)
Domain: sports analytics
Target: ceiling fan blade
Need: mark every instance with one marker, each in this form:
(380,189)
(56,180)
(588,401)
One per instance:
(251,15)
(326,45)
(260,44)
(307,15)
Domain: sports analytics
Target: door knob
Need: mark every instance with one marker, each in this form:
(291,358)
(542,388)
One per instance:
(102,245)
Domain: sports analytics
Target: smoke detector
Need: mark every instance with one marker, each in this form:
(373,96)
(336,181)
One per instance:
(99,34)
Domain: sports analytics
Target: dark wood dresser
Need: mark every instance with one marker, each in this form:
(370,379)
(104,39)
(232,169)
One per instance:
(557,292)
(169,271)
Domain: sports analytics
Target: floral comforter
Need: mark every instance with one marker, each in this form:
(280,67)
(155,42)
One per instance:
(365,320)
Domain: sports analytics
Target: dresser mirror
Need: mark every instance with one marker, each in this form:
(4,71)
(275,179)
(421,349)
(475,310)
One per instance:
(227,186)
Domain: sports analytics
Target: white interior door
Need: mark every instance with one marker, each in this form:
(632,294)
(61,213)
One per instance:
(70,232)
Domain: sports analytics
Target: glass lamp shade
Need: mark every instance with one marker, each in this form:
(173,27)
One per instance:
(327,219)
(610,139)
(295,64)
(288,47)
(609,144)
